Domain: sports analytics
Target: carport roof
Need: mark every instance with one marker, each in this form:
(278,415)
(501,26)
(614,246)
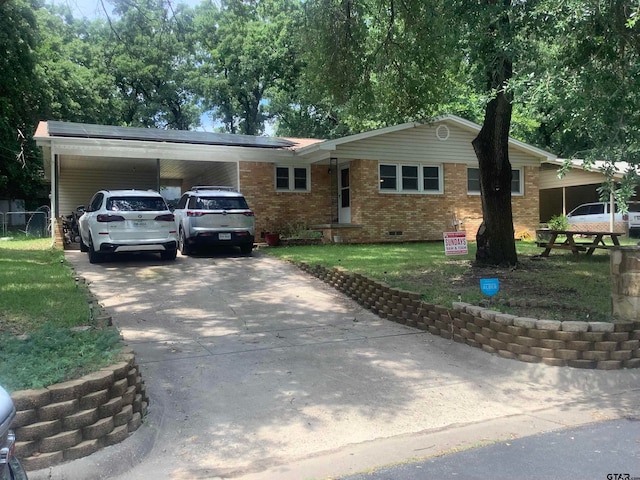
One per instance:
(83,130)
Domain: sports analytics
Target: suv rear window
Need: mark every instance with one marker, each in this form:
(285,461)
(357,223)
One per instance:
(218,203)
(136,204)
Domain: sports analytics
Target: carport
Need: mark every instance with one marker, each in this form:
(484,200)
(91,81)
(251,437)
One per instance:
(560,195)
(80,159)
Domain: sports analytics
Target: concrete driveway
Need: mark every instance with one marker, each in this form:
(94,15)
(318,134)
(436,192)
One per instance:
(257,371)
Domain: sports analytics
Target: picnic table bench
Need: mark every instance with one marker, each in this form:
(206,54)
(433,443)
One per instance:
(576,240)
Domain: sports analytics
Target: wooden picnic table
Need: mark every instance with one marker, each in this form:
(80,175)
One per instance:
(576,240)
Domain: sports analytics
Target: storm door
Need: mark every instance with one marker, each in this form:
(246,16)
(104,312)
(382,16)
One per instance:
(344,196)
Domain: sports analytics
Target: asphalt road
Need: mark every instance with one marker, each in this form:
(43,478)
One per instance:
(607,450)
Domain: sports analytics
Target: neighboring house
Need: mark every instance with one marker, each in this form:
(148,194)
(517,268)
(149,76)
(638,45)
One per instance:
(408,182)
(561,194)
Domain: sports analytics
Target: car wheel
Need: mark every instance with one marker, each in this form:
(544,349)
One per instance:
(83,246)
(169,254)
(184,247)
(94,257)
(246,249)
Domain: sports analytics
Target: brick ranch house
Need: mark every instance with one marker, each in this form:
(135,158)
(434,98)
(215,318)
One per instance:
(408,182)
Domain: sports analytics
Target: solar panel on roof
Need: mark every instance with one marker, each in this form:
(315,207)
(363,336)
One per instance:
(83,130)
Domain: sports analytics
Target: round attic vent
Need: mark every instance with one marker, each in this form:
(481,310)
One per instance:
(442,132)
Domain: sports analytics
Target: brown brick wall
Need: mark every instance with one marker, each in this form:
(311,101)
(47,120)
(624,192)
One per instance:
(417,216)
(272,208)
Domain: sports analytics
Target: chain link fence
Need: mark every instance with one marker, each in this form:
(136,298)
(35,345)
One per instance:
(36,223)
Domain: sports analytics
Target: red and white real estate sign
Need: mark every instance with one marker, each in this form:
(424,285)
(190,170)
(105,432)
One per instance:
(455,243)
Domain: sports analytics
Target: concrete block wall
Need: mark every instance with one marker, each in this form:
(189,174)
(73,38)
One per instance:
(594,345)
(74,419)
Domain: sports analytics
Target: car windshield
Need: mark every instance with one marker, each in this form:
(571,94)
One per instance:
(218,203)
(136,204)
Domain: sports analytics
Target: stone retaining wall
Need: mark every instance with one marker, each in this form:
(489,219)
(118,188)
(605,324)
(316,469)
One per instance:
(73,419)
(600,345)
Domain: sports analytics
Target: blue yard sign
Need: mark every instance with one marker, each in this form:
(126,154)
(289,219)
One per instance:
(489,286)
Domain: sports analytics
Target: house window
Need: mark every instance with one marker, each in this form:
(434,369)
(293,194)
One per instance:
(473,181)
(431,179)
(516,183)
(292,178)
(410,178)
(388,177)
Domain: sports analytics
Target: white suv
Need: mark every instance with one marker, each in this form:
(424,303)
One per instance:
(214,216)
(127,221)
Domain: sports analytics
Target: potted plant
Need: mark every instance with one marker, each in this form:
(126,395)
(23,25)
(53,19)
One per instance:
(272,238)
(272,234)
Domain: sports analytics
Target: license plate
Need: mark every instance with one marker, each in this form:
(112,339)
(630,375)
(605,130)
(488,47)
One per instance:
(139,223)
(224,236)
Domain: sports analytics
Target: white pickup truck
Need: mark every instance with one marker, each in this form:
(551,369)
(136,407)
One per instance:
(598,212)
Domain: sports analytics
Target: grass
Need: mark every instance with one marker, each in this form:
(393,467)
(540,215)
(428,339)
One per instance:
(578,288)
(40,303)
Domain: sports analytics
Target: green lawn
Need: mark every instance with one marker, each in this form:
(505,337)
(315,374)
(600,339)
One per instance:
(40,303)
(580,285)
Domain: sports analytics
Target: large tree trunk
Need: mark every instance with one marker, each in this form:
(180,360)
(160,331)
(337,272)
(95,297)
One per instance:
(495,237)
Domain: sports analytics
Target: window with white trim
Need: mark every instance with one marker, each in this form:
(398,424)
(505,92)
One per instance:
(408,178)
(294,179)
(473,181)
(516,181)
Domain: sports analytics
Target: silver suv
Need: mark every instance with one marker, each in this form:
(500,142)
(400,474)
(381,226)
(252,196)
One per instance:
(208,215)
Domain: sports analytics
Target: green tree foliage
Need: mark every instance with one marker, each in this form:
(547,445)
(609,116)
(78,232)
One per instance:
(20,166)
(148,53)
(583,87)
(72,79)
(382,61)
(248,55)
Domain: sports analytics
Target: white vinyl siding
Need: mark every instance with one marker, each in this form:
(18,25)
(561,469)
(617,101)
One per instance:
(79,186)
(421,145)
(409,178)
(574,177)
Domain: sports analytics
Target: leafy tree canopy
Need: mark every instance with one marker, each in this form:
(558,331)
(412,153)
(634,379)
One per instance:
(248,54)
(19,162)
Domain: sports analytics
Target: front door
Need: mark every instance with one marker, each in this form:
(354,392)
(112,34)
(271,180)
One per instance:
(344,196)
